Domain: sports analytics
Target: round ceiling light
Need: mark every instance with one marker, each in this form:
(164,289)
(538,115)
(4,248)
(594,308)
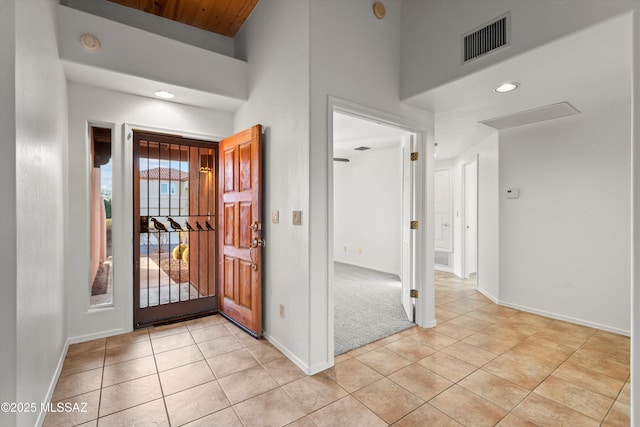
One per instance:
(90,42)
(506,87)
(164,94)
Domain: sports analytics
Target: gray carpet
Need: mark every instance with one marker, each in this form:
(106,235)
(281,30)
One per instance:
(367,306)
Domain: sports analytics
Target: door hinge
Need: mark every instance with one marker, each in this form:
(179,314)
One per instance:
(414,156)
(414,225)
(413,293)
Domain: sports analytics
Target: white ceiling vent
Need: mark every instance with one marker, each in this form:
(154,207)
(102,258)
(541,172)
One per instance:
(535,115)
(486,38)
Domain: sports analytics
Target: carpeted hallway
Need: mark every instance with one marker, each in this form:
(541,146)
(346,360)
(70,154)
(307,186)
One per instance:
(367,306)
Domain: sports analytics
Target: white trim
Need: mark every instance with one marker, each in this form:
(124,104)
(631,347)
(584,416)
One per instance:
(355,264)
(54,382)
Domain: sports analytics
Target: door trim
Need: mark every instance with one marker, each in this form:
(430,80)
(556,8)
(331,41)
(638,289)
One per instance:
(424,307)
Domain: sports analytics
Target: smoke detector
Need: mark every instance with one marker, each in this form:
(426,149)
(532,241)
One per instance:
(90,42)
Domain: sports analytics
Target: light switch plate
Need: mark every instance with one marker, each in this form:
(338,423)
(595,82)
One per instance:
(296,218)
(275,217)
(513,193)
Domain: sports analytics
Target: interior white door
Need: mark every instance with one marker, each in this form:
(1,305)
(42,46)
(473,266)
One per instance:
(443,235)
(470,218)
(407,237)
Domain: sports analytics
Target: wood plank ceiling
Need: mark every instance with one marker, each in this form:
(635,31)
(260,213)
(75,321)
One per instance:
(218,16)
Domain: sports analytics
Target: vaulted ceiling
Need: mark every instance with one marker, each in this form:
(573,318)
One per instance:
(223,17)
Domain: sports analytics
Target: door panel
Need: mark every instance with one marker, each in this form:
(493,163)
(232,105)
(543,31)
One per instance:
(442,210)
(175,254)
(241,224)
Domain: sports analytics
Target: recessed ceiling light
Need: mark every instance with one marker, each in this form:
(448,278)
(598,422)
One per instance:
(164,94)
(506,87)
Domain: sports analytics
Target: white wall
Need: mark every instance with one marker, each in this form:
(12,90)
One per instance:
(40,164)
(8,233)
(367,210)
(564,244)
(278,57)
(486,151)
(90,105)
(354,57)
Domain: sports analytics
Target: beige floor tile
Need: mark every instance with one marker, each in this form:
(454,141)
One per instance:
(224,418)
(232,362)
(303,422)
(210,332)
(388,400)
(75,384)
(346,412)
(313,392)
(442,314)
(410,349)
(620,415)
(166,330)
(246,384)
(283,370)
(447,366)
(264,352)
(420,381)
(388,340)
(427,415)
(184,377)
(575,397)
(204,322)
(384,360)
(82,362)
(467,408)
(542,362)
(492,344)
(625,394)
(171,342)
(178,357)
(87,347)
(129,370)
(341,358)
(352,375)
(572,341)
(544,412)
(497,390)
(122,353)
(86,413)
(195,403)
(526,376)
(514,421)
(469,353)
(364,349)
(461,327)
(484,316)
(598,362)
(219,346)
(274,408)
(433,339)
(591,380)
(92,423)
(153,413)
(129,338)
(131,393)
(498,310)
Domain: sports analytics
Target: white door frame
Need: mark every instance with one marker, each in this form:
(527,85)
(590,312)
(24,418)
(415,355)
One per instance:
(423,271)
(463,222)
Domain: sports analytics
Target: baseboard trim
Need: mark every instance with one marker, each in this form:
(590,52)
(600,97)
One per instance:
(488,295)
(565,318)
(54,382)
(97,335)
(284,350)
(395,273)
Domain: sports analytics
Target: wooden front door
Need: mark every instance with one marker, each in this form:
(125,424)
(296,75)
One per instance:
(240,225)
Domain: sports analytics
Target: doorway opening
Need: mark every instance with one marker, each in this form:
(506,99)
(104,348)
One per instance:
(373,244)
(175,202)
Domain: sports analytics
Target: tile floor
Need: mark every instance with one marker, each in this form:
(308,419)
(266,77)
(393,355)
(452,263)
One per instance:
(483,365)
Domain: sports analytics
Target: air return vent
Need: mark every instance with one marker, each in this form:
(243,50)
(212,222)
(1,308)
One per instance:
(487,38)
(363,148)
